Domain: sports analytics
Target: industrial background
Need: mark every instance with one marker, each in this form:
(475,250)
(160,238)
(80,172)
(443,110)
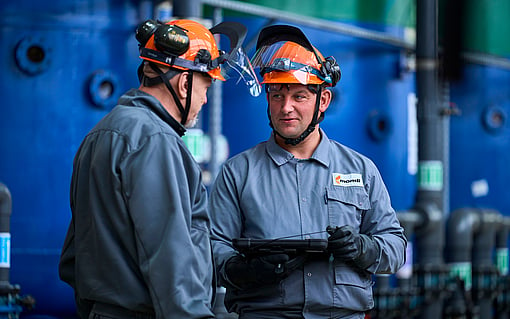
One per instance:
(425,93)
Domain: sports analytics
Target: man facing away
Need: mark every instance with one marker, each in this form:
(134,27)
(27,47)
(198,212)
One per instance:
(138,244)
(299,184)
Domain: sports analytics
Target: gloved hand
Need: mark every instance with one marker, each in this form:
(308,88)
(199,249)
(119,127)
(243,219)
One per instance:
(348,244)
(263,270)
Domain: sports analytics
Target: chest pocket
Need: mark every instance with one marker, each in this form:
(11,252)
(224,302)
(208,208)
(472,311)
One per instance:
(346,205)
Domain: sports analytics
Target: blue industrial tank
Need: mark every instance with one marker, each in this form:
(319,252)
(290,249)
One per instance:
(370,110)
(64,64)
(480,139)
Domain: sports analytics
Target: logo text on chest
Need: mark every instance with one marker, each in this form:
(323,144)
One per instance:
(352,179)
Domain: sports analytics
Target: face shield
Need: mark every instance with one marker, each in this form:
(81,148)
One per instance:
(287,62)
(240,69)
(190,46)
(285,55)
(235,64)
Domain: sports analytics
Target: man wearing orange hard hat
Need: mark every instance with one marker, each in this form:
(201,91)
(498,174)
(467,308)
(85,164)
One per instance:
(300,222)
(138,245)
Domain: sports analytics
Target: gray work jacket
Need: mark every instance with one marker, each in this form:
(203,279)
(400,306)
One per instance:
(265,192)
(139,235)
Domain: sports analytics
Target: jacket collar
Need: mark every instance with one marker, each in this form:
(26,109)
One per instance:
(280,156)
(135,97)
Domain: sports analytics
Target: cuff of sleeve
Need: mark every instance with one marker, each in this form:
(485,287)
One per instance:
(370,253)
(226,281)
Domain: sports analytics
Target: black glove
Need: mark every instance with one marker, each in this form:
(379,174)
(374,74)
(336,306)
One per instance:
(349,245)
(263,270)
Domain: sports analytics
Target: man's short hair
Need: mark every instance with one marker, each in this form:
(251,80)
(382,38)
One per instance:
(150,73)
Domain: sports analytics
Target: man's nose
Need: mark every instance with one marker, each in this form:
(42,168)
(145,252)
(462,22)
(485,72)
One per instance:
(287,105)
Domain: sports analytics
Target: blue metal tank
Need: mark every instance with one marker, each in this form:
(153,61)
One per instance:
(480,139)
(64,64)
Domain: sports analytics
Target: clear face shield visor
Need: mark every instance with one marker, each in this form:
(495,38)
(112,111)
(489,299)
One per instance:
(239,68)
(232,64)
(235,64)
(287,62)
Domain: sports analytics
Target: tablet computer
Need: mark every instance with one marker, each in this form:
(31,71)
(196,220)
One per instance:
(275,246)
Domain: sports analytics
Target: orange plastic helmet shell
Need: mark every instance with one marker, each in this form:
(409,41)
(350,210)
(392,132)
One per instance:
(199,38)
(295,53)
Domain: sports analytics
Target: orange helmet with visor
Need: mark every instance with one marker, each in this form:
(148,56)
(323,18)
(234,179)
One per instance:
(188,45)
(284,55)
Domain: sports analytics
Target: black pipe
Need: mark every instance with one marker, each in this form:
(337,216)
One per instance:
(5,237)
(502,304)
(187,8)
(471,237)
(431,197)
(431,120)
(430,270)
(485,277)
(461,226)
(12,303)
(383,297)
(410,221)
(502,236)
(407,292)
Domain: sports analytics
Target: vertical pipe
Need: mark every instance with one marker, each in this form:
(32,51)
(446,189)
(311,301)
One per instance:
(461,226)
(431,135)
(502,262)
(215,124)
(215,113)
(187,8)
(145,10)
(410,221)
(502,246)
(431,154)
(193,9)
(5,237)
(444,96)
(386,305)
(484,270)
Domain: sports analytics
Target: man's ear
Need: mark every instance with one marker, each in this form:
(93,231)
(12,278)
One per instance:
(182,85)
(326,97)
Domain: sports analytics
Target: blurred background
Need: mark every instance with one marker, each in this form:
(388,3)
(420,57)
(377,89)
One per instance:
(425,93)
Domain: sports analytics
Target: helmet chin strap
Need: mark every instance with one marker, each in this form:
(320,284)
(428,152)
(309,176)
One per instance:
(316,119)
(164,78)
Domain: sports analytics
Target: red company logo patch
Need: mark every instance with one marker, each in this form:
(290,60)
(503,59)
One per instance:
(352,179)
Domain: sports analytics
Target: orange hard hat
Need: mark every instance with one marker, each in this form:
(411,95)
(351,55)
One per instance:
(182,44)
(284,55)
(292,63)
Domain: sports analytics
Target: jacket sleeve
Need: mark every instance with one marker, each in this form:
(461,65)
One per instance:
(67,264)
(226,221)
(168,207)
(67,258)
(381,222)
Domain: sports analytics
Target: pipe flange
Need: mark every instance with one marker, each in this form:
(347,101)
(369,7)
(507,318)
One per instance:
(494,118)
(103,89)
(33,55)
(379,125)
